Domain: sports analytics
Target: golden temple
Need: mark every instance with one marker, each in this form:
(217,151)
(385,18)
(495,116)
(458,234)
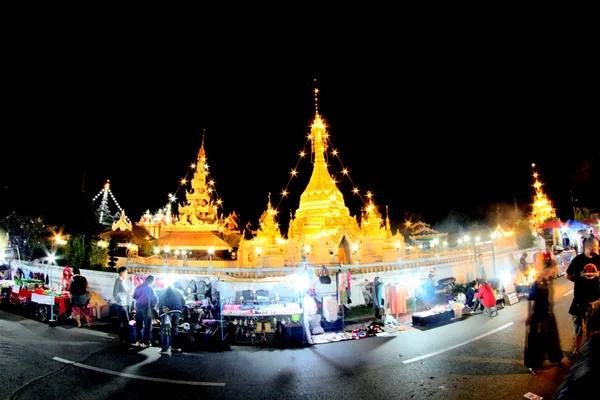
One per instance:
(321,231)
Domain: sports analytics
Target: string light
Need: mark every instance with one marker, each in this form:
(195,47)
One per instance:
(345,172)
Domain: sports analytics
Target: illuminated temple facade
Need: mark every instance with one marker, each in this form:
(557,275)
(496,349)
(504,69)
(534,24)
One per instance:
(321,231)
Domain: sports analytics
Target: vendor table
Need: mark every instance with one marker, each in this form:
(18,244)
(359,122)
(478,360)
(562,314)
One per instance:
(63,304)
(426,318)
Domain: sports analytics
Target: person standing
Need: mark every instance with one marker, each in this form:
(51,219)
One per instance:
(523,264)
(583,272)
(171,304)
(144,296)
(481,267)
(542,333)
(121,291)
(78,291)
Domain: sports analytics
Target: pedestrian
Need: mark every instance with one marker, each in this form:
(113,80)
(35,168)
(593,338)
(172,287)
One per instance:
(541,329)
(79,298)
(170,304)
(523,264)
(145,297)
(473,286)
(583,272)
(122,289)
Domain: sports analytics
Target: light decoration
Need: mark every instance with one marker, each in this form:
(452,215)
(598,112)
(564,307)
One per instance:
(541,208)
(103,212)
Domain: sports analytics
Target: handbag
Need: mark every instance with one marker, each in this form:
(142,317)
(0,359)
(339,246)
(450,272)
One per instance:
(324,278)
(152,312)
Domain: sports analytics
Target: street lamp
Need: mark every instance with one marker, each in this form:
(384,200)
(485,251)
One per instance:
(355,249)
(211,252)
(258,251)
(398,244)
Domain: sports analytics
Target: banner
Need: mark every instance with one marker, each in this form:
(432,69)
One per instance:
(42,299)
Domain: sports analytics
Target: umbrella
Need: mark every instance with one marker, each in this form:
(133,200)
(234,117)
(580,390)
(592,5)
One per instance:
(551,225)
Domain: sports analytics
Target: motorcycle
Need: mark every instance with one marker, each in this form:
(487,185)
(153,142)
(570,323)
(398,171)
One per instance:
(444,286)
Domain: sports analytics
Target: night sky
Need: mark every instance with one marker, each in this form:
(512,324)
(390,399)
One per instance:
(429,136)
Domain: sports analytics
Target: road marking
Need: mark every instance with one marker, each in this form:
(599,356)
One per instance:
(568,293)
(435,353)
(133,376)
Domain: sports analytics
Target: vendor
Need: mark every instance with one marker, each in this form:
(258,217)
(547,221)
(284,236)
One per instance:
(310,310)
(67,276)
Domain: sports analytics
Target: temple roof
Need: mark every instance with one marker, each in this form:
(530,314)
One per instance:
(193,241)
(421,230)
(135,235)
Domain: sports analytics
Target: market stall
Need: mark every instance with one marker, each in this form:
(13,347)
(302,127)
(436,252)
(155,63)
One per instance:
(261,311)
(200,323)
(39,301)
(436,315)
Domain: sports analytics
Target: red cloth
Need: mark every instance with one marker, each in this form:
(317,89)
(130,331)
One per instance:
(486,294)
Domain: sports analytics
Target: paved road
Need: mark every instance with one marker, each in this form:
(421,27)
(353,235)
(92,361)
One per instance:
(471,358)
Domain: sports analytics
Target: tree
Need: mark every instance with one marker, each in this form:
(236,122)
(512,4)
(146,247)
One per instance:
(27,233)
(524,234)
(113,245)
(75,252)
(583,214)
(98,256)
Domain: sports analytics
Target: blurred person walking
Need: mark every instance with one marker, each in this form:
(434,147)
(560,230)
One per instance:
(583,271)
(542,333)
(145,297)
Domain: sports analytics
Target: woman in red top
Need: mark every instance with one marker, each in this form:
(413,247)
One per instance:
(484,297)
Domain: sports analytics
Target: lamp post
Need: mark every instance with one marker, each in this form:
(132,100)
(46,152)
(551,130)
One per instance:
(398,244)
(355,249)
(211,252)
(258,253)
(493,235)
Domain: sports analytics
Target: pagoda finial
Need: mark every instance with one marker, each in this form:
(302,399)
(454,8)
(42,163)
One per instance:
(203,132)
(316,98)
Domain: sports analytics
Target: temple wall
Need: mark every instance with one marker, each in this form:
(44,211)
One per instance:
(460,265)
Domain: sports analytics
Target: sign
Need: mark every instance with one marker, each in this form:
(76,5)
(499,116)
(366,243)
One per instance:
(511,298)
(15,289)
(42,299)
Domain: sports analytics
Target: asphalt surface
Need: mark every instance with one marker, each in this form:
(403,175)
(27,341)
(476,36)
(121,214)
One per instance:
(468,358)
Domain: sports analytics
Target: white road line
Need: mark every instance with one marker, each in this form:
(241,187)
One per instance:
(435,353)
(568,293)
(133,376)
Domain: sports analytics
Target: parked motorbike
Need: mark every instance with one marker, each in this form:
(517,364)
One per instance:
(443,286)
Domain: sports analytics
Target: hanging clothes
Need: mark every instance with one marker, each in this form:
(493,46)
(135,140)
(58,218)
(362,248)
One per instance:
(330,308)
(342,285)
(398,304)
(378,298)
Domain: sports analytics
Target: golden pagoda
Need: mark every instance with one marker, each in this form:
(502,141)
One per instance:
(541,208)
(197,226)
(322,231)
